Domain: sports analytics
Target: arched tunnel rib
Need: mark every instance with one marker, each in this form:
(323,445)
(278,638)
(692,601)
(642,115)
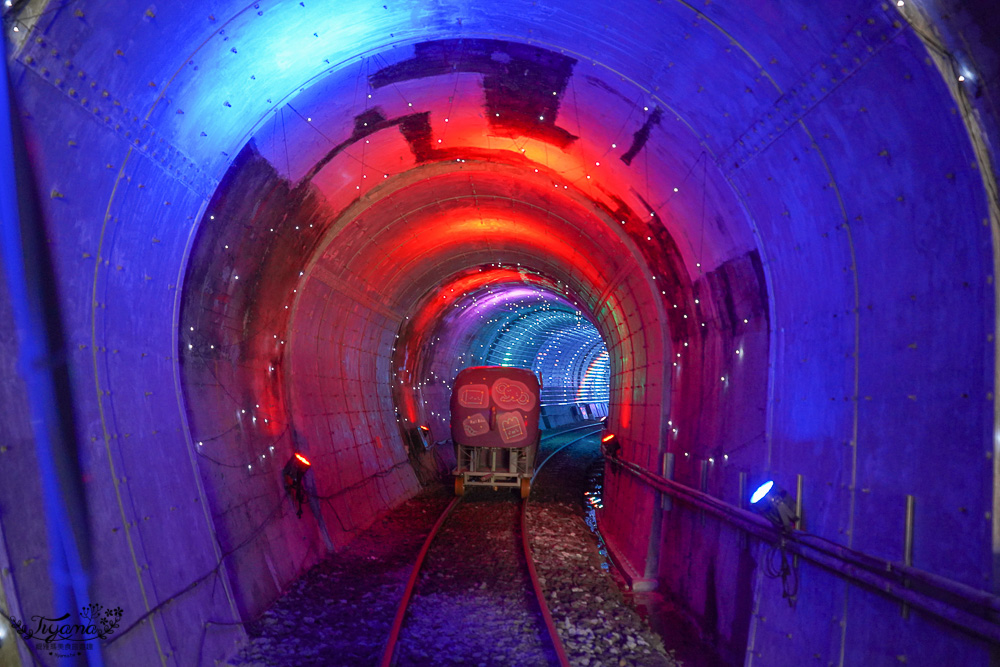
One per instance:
(275,227)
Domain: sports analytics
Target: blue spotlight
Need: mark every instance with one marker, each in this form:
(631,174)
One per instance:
(761,492)
(774,505)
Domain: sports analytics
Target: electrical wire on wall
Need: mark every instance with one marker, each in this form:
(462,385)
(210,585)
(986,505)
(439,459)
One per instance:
(776,566)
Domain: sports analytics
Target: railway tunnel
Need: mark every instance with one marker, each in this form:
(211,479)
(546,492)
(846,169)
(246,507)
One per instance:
(759,238)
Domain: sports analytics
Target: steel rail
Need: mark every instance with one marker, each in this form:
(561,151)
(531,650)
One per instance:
(529,558)
(538,468)
(397,623)
(537,586)
(404,604)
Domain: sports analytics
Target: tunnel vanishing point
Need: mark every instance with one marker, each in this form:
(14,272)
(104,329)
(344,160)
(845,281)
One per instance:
(237,230)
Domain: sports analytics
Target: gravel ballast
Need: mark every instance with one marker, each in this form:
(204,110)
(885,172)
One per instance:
(474,607)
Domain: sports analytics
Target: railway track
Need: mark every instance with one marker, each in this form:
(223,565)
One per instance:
(473,596)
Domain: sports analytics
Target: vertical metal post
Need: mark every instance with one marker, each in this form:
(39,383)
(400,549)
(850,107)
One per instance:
(703,486)
(42,365)
(742,504)
(799,521)
(911,504)
(667,471)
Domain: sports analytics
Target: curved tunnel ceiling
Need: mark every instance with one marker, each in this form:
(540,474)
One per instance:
(768,211)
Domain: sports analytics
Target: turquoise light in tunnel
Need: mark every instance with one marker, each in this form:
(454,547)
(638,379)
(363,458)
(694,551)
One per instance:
(532,328)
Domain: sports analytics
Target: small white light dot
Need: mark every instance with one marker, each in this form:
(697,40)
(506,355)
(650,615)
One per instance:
(309,119)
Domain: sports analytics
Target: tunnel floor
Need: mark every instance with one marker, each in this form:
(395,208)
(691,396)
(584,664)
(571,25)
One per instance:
(340,612)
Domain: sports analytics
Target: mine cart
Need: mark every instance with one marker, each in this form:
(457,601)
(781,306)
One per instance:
(494,425)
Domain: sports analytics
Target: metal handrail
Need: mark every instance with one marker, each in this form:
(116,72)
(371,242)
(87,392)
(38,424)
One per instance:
(969,609)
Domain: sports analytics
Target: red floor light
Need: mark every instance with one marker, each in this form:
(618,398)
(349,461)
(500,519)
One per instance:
(609,444)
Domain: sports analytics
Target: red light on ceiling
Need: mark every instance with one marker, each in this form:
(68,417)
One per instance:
(302,459)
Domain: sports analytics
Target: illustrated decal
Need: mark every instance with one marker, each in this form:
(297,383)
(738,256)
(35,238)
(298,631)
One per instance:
(512,427)
(475,424)
(474,396)
(512,395)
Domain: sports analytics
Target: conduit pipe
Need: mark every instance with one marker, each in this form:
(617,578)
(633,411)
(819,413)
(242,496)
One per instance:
(968,609)
(41,360)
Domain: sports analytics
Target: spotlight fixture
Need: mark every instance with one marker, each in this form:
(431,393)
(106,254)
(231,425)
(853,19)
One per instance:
(774,505)
(293,472)
(424,437)
(610,445)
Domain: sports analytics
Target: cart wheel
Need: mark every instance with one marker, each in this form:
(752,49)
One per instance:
(460,485)
(525,487)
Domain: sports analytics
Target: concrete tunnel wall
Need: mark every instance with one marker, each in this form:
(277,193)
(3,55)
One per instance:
(829,222)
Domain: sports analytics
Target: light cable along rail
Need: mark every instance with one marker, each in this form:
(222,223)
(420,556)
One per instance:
(968,609)
(390,653)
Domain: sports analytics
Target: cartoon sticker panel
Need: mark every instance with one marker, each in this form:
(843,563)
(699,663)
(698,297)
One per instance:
(475,424)
(512,395)
(474,396)
(513,427)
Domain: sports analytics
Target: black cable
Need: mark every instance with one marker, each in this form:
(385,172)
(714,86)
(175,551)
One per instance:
(775,565)
(214,571)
